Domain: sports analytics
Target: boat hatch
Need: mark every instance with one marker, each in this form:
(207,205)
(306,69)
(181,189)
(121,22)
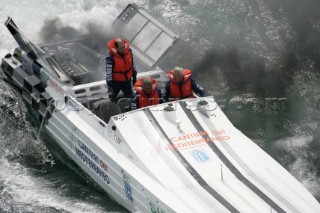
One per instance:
(149,39)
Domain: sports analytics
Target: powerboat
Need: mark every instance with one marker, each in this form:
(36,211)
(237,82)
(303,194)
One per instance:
(181,156)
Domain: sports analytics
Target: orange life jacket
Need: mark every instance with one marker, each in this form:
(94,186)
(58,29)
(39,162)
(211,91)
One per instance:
(122,67)
(144,99)
(183,90)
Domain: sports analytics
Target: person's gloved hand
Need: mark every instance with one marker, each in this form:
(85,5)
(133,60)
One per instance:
(134,80)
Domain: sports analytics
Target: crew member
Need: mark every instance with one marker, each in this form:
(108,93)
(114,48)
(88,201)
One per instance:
(146,93)
(121,72)
(181,85)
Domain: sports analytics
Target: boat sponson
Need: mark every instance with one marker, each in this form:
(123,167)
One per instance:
(31,87)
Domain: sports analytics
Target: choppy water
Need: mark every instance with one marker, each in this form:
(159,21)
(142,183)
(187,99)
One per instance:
(259,58)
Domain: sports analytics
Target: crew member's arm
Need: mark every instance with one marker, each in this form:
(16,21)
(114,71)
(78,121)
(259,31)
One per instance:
(166,94)
(161,96)
(134,100)
(134,71)
(197,88)
(109,67)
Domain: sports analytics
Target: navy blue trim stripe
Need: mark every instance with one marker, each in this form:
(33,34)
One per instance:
(230,166)
(188,166)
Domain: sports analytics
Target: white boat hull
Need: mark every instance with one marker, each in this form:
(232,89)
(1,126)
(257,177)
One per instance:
(193,156)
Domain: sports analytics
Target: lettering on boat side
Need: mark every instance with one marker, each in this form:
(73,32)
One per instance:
(55,85)
(197,139)
(91,163)
(74,105)
(154,208)
(92,155)
(200,155)
(127,188)
(103,165)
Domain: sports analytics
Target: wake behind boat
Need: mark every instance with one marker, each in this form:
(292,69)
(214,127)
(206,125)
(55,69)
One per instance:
(182,156)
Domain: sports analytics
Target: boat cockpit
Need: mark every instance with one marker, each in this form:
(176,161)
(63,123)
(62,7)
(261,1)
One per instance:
(76,69)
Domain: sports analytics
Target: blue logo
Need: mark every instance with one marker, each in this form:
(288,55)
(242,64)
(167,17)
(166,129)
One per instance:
(127,189)
(200,155)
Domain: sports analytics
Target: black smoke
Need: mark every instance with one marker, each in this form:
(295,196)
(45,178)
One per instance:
(53,30)
(96,34)
(242,69)
(87,45)
(238,69)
